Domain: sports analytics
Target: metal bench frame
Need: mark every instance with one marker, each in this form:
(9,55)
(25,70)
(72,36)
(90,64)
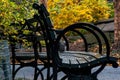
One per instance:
(22,57)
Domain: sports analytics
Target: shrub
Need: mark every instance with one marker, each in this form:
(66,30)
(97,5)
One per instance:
(14,12)
(111,11)
(66,12)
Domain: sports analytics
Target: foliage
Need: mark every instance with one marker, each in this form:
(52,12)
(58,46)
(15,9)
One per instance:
(110,4)
(62,12)
(66,12)
(11,12)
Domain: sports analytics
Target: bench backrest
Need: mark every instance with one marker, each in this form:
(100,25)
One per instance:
(46,27)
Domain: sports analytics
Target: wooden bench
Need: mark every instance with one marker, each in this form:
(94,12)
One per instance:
(76,64)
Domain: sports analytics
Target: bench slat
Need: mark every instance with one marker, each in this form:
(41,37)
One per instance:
(78,57)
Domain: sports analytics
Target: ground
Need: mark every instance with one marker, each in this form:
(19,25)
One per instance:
(114,52)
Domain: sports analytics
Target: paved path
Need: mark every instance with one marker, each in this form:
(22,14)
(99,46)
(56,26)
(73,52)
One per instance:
(108,73)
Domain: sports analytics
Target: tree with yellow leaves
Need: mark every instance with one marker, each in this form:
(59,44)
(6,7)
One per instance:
(66,12)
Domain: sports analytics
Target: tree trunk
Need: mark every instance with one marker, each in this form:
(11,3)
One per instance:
(44,2)
(117,25)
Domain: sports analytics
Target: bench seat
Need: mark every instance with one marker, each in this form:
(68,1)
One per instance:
(76,58)
(83,59)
